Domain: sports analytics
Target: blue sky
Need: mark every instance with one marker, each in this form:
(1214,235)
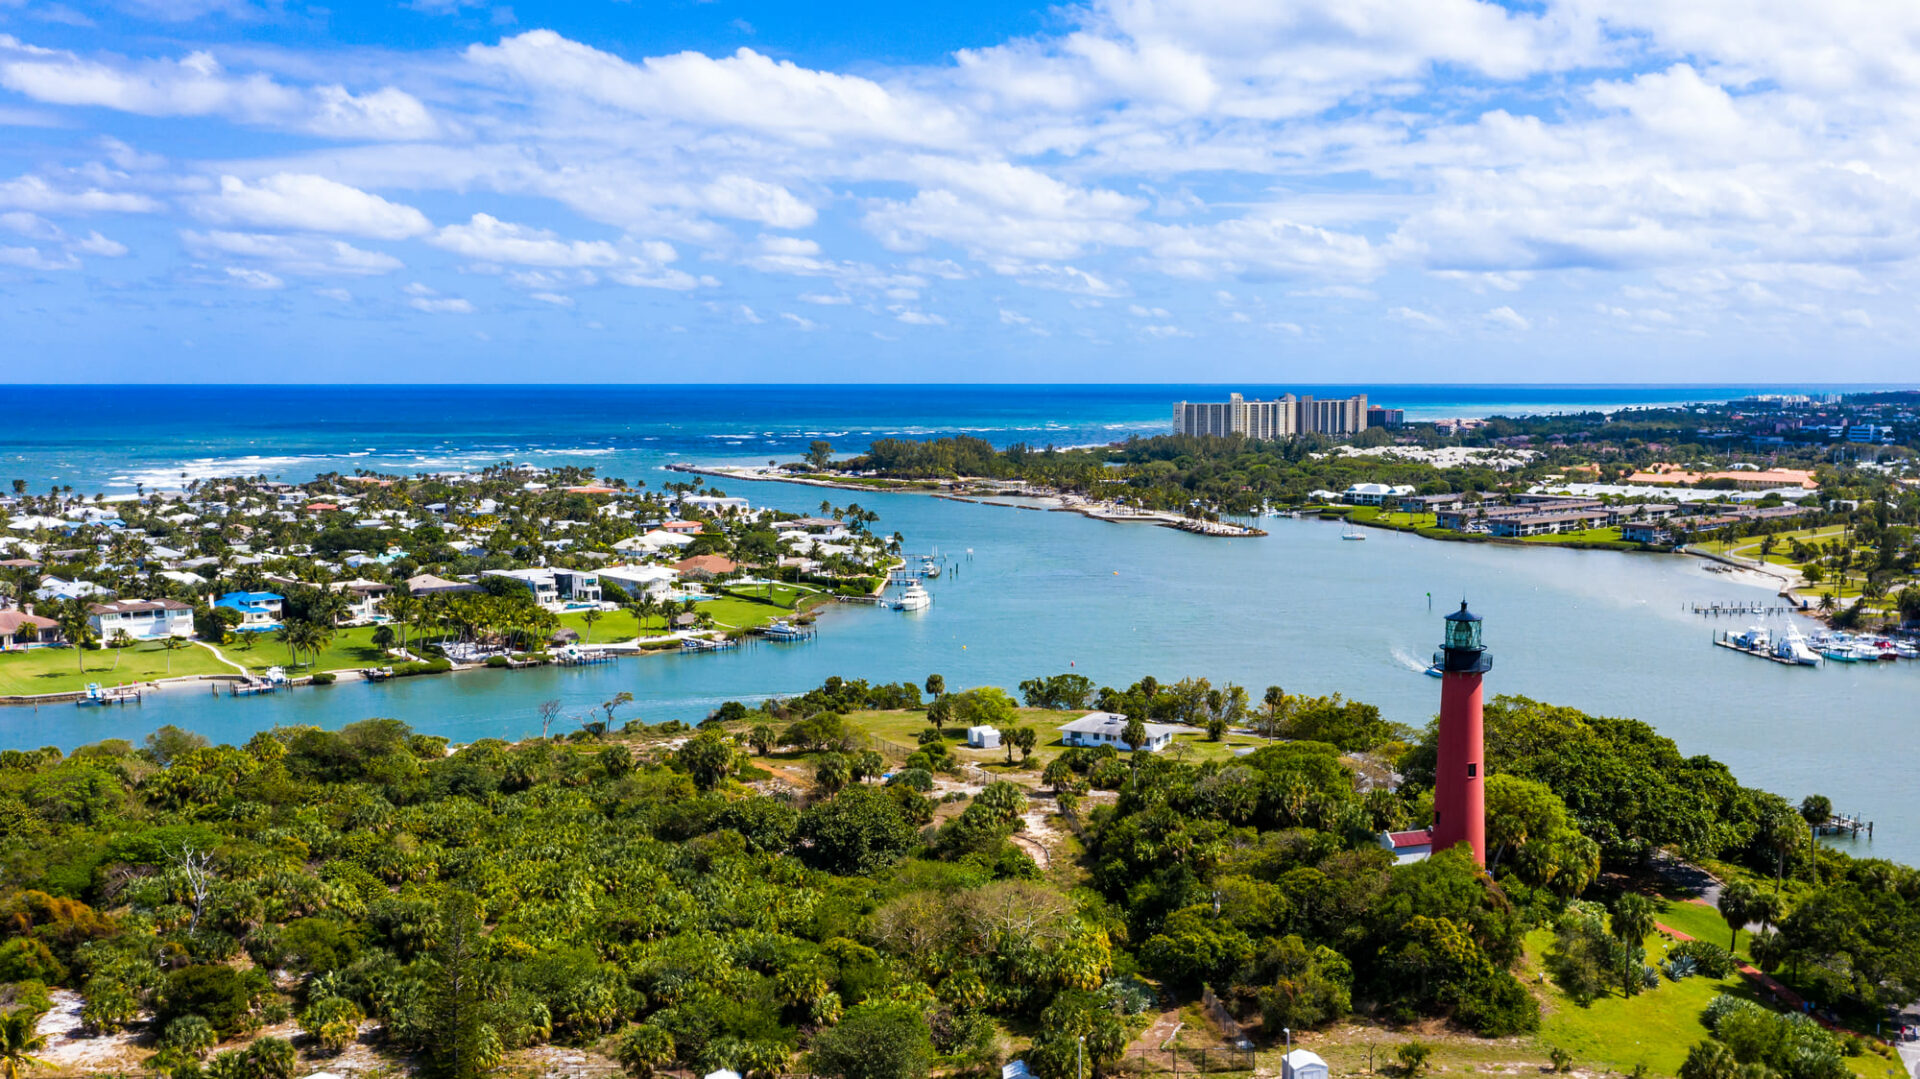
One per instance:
(1131,190)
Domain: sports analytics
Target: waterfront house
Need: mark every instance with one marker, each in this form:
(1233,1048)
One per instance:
(702,567)
(1654,532)
(363,600)
(1105,729)
(426,584)
(141,619)
(1550,522)
(18,629)
(639,580)
(551,587)
(1430,503)
(685,528)
(59,588)
(258,610)
(1375,494)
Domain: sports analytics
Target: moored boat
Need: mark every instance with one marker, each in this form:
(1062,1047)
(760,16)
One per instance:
(915,598)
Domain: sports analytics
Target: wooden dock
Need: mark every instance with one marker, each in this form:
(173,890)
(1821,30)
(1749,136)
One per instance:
(1723,642)
(1847,824)
(1755,609)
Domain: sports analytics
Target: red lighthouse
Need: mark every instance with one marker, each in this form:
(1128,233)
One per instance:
(1459,784)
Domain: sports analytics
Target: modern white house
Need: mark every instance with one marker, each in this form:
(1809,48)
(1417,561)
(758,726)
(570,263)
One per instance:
(551,587)
(638,580)
(1105,728)
(62,589)
(363,600)
(1374,494)
(141,619)
(258,610)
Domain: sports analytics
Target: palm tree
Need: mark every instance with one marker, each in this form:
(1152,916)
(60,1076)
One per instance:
(1632,923)
(19,1040)
(590,616)
(171,644)
(403,609)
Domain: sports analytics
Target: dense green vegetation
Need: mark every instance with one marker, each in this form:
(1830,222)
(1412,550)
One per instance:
(632,893)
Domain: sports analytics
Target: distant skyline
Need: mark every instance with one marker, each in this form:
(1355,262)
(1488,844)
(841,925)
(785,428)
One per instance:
(1580,192)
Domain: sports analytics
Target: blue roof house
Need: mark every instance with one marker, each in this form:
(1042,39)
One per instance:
(258,610)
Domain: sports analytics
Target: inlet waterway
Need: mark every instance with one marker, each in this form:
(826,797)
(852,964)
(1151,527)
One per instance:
(1035,593)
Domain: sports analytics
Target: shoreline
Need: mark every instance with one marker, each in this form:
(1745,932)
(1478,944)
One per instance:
(943,489)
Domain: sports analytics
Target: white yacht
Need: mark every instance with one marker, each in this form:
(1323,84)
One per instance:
(1792,646)
(915,598)
(1755,639)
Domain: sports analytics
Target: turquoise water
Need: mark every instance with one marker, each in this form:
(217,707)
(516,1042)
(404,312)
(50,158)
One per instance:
(1048,592)
(121,438)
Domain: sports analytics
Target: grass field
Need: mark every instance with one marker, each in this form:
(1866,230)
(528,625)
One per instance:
(1585,535)
(351,648)
(57,670)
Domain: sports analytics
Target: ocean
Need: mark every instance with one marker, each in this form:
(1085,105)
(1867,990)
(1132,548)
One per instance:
(121,439)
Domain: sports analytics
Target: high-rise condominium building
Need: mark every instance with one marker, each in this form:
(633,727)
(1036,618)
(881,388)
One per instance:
(1279,418)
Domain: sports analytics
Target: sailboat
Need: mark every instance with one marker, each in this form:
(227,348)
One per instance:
(1350,533)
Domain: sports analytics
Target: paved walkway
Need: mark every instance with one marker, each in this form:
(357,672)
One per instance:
(221,656)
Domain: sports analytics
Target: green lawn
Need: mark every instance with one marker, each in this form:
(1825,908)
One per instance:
(1654,1028)
(351,648)
(57,670)
(1588,535)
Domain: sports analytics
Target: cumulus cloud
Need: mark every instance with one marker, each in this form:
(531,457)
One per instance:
(35,193)
(302,255)
(198,85)
(1506,318)
(490,239)
(309,203)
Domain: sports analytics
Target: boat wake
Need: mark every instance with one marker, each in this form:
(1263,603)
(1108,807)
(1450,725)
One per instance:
(1409,660)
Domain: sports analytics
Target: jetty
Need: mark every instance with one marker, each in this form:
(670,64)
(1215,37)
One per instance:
(1754,609)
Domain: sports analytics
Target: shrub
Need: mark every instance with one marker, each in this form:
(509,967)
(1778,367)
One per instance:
(323,678)
(1562,1060)
(189,1035)
(498,662)
(1710,960)
(219,994)
(1413,1057)
(643,1048)
(332,1022)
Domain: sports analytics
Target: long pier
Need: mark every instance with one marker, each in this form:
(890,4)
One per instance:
(1755,609)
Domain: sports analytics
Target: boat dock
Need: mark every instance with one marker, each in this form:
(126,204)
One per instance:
(706,644)
(583,659)
(98,697)
(248,687)
(1726,641)
(1756,609)
(1847,824)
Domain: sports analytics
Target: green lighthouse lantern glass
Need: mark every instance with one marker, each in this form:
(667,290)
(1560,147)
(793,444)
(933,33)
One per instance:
(1463,630)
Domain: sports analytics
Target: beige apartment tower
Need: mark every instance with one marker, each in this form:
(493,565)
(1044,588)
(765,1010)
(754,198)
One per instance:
(1281,417)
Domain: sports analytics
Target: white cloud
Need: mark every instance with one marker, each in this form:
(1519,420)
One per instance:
(917,318)
(254,279)
(197,85)
(34,193)
(1164,331)
(800,322)
(1419,320)
(96,244)
(557,299)
(743,313)
(32,258)
(1506,318)
(311,204)
(340,294)
(441,305)
(826,299)
(746,90)
(302,255)
(488,238)
(1138,311)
